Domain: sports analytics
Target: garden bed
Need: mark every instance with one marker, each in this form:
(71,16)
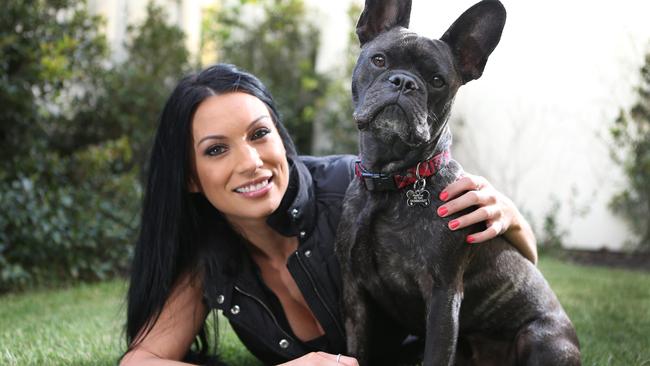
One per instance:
(607,258)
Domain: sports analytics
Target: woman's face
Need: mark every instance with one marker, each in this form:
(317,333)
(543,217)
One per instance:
(240,161)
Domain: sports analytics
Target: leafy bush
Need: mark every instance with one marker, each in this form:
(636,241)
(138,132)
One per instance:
(335,116)
(278,41)
(631,149)
(553,235)
(75,132)
(68,217)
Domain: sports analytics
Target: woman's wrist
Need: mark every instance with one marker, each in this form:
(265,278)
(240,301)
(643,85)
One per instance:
(521,235)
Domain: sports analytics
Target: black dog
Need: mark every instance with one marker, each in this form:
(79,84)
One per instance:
(404,271)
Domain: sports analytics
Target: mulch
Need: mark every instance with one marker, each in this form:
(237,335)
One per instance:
(628,260)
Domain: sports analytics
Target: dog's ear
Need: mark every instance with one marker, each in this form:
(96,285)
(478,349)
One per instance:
(474,35)
(381,15)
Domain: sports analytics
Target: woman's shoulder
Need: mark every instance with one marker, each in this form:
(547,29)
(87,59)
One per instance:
(331,173)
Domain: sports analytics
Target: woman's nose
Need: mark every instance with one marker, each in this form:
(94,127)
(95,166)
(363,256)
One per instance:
(249,159)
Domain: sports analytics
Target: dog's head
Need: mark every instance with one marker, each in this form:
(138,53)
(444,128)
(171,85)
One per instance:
(404,84)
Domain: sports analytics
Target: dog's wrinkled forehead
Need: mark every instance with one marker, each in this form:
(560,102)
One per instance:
(470,40)
(407,50)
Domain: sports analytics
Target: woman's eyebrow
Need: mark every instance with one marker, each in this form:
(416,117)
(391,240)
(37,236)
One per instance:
(222,137)
(211,137)
(257,120)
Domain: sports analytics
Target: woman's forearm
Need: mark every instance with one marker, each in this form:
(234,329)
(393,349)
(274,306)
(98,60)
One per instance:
(521,236)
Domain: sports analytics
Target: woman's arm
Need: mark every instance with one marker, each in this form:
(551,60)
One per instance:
(497,210)
(172,335)
(179,322)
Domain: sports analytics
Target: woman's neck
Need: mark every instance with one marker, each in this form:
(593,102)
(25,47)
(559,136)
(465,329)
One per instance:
(264,243)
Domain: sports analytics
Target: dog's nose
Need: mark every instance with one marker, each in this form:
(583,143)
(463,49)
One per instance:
(403,82)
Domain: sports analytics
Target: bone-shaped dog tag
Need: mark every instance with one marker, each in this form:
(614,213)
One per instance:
(418,196)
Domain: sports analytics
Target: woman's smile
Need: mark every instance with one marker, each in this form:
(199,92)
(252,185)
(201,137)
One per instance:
(256,188)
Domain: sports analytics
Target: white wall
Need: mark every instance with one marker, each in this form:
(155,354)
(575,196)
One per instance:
(538,120)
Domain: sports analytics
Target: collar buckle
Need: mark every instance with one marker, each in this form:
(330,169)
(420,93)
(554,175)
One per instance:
(378,182)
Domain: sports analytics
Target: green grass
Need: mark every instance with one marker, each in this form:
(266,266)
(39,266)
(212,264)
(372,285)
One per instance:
(610,309)
(83,325)
(76,326)
(79,326)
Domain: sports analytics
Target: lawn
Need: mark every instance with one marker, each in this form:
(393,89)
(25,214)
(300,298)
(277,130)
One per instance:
(83,325)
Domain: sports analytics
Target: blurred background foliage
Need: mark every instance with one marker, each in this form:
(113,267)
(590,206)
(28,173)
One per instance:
(75,131)
(630,148)
(278,41)
(76,124)
(279,48)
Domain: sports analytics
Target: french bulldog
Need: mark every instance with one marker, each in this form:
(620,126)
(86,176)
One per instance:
(404,272)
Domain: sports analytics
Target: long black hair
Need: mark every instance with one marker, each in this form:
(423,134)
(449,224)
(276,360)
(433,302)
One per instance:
(176,225)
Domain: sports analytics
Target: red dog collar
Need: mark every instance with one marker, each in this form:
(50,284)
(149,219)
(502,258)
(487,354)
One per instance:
(386,182)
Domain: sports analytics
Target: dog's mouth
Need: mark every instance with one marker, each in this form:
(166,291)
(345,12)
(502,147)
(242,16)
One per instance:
(392,122)
(391,114)
(386,113)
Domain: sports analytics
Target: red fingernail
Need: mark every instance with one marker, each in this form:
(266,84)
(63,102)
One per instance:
(470,239)
(453,224)
(444,195)
(442,211)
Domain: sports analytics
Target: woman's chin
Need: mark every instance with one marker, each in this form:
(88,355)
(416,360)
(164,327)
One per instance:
(255,211)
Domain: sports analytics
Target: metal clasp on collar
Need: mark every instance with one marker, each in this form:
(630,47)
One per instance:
(378,182)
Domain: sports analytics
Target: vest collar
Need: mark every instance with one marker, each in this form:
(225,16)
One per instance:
(297,210)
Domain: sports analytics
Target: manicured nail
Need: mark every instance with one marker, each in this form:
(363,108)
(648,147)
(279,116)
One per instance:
(442,211)
(470,239)
(444,195)
(453,224)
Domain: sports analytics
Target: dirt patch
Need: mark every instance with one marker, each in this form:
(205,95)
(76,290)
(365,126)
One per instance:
(635,260)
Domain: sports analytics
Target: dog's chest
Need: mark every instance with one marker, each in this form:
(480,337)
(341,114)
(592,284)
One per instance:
(409,240)
(398,253)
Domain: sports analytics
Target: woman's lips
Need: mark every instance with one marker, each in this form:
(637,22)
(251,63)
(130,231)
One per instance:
(256,188)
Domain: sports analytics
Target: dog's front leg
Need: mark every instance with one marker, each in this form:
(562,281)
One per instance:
(357,321)
(442,326)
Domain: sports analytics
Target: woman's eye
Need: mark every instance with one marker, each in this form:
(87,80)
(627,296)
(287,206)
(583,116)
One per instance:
(437,82)
(215,150)
(379,60)
(259,133)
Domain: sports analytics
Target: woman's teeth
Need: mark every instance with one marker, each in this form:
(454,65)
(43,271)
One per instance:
(253,187)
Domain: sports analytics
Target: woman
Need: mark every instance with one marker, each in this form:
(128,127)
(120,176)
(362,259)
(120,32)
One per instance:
(234,220)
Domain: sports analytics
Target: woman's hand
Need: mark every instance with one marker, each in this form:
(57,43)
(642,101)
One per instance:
(495,209)
(322,358)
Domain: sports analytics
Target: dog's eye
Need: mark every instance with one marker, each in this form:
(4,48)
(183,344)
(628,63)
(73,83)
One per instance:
(437,82)
(379,60)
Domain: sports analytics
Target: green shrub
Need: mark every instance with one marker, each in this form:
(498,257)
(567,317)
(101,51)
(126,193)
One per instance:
(74,138)
(281,48)
(630,148)
(68,217)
